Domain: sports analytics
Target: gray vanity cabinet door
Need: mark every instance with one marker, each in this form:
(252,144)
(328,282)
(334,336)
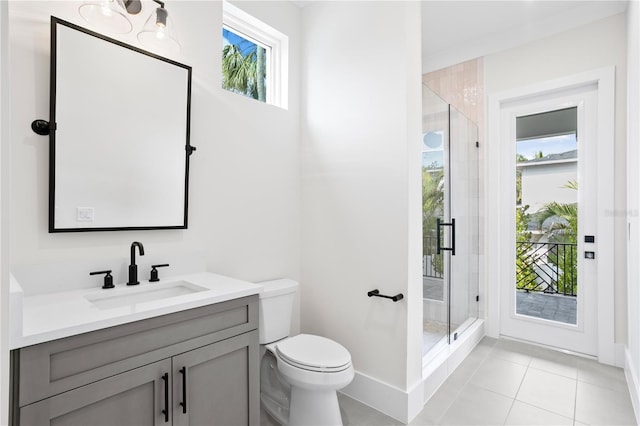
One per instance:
(222,384)
(132,398)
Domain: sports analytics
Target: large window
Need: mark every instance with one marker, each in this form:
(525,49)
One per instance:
(254,57)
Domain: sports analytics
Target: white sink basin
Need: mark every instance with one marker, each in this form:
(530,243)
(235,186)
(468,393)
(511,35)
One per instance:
(118,298)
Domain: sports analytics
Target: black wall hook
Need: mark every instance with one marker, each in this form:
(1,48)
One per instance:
(41,127)
(376,293)
(190,149)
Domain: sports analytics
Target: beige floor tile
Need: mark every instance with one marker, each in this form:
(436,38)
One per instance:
(477,406)
(525,414)
(602,375)
(510,350)
(555,362)
(596,405)
(471,395)
(353,412)
(555,366)
(500,376)
(548,391)
(439,403)
(423,419)
(461,376)
(512,356)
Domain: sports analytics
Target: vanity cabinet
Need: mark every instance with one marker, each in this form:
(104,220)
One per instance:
(195,374)
(134,398)
(195,367)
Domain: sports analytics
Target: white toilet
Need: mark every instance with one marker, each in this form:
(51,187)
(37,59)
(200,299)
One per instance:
(299,375)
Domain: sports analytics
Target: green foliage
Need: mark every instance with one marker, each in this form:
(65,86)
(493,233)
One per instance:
(432,209)
(565,232)
(432,199)
(518,187)
(566,259)
(519,159)
(437,263)
(525,275)
(522,224)
(244,74)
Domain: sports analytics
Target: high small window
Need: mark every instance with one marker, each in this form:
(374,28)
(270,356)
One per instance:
(254,57)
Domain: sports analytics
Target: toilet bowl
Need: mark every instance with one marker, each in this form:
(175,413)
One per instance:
(299,375)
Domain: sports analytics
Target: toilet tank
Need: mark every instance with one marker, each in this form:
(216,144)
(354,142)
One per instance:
(276,307)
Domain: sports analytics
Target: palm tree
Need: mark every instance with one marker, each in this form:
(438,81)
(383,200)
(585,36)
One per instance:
(432,208)
(563,230)
(244,73)
(432,198)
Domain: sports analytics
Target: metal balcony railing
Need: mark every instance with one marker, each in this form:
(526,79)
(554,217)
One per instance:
(547,267)
(432,263)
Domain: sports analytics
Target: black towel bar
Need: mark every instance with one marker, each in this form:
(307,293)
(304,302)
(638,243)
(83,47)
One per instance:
(376,293)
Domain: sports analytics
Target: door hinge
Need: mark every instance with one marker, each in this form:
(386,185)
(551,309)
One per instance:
(478,298)
(477,144)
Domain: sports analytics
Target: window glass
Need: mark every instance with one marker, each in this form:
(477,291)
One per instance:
(244,65)
(254,57)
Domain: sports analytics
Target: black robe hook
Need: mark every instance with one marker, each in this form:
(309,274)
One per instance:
(41,127)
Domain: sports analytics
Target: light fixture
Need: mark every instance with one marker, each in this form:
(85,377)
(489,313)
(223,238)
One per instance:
(158,32)
(111,16)
(106,15)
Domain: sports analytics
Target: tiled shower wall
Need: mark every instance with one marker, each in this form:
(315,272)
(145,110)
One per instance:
(462,86)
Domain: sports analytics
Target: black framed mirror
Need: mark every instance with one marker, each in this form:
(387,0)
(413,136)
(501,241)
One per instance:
(118,135)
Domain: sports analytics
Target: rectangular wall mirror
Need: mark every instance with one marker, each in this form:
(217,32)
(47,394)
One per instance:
(119,138)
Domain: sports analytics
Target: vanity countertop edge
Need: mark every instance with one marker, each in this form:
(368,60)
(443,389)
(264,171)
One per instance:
(45,317)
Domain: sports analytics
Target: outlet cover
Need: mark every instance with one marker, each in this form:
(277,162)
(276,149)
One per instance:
(84,214)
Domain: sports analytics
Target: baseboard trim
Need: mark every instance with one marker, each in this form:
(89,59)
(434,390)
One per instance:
(379,395)
(402,405)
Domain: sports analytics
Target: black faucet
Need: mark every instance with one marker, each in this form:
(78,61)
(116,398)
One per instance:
(133,268)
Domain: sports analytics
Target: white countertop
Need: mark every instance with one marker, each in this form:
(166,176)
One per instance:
(44,317)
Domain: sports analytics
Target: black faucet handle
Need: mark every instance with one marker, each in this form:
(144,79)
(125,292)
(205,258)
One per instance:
(108,279)
(154,272)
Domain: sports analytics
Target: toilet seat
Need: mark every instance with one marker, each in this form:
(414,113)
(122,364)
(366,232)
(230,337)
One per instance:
(313,353)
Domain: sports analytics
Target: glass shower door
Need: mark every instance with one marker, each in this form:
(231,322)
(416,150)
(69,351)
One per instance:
(450,188)
(435,150)
(463,202)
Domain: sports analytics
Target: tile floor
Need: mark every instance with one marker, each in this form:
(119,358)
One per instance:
(509,383)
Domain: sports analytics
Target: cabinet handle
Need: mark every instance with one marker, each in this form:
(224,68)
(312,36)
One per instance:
(165,378)
(183,371)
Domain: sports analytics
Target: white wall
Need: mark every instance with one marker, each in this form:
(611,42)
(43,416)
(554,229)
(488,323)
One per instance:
(244,182)
(361,183)
(632,363)
(596,45)
(543,183)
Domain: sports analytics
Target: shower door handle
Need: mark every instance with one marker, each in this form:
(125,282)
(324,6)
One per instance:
(439,248)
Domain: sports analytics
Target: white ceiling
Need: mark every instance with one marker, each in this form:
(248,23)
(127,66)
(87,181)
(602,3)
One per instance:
(455,31)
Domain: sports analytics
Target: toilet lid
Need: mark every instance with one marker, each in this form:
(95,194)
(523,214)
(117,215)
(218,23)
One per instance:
(314,353)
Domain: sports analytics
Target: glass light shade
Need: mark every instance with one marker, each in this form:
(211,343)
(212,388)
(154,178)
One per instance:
(158,33)
(106,15)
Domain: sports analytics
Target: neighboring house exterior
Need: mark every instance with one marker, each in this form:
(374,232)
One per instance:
(544,180)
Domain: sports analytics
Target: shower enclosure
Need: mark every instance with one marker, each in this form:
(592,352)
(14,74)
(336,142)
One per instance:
(450,223)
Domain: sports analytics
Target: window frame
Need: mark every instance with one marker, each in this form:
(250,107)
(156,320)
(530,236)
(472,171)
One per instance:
(273,41)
